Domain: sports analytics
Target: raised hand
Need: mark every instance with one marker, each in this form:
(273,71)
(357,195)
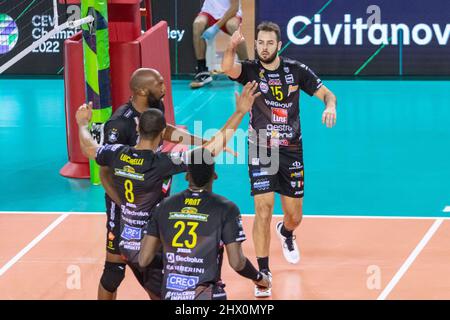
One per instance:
(244,102)
(237,38)
(84,114)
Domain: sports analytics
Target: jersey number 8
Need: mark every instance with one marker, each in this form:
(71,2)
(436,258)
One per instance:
(129,195)
(182,225)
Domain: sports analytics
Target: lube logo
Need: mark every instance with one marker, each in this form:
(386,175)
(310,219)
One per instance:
(9,33)
(356,32)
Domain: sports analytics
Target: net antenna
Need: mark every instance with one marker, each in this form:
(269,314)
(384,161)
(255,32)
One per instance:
(72,24)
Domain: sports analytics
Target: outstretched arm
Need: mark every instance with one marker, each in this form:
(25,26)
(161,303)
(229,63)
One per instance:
(244,103)
(330,101)
(177,135)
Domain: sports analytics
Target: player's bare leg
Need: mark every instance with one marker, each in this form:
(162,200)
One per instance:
(200,24)
(261,235)
(202,75)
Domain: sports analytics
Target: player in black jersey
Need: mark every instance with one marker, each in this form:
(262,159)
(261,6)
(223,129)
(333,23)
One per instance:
(138,174)
(148,89)
(275,140)
(192,225)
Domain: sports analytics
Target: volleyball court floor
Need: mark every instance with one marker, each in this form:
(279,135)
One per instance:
(376,205)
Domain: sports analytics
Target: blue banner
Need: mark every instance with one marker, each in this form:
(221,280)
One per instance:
(364,37)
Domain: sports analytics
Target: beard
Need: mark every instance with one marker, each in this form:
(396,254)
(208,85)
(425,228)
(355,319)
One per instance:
(152,101)
(267,60)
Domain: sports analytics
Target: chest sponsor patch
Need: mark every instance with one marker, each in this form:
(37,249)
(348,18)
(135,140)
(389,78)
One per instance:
(289,78)
(263,87)
(279,115)
(292,89)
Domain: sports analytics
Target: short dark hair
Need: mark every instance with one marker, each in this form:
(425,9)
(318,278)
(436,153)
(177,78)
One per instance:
(269,27)
(151,124)
(201,166)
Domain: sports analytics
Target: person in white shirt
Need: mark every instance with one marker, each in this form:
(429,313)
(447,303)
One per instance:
(215,15)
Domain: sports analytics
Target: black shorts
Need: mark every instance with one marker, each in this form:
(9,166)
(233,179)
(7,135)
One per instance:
(150,277)
(281,172)
(211,292)
(112,226)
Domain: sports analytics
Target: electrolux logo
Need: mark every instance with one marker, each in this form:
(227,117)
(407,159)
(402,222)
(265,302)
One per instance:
(9,33)
(356,33)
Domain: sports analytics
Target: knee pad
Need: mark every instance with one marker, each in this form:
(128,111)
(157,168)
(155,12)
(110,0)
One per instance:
(112,276)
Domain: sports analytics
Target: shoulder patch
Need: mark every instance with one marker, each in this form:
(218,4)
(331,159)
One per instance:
(113,135)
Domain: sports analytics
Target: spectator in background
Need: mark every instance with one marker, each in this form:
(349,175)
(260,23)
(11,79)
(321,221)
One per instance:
(215,15)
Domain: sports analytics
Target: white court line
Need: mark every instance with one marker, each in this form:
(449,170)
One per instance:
(35,241)
(94,213)
(400,273)
(446,209)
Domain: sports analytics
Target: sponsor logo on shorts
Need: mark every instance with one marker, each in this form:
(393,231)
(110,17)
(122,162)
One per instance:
(297,193)
(261,185)
(298,174)
(286,69)
(255,161)
(131,233)
(179,282)
(289,79)
(279,115)
(296,165)
(264,87)
(258,173)
(296,184)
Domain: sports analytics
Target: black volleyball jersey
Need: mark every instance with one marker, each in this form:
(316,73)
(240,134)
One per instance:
(192,227)
(121,128)
(138,178)
(274,118)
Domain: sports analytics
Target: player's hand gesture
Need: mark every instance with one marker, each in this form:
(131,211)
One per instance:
(329,116)
(264,282)
(244,102)
(84,114)
(237,38)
